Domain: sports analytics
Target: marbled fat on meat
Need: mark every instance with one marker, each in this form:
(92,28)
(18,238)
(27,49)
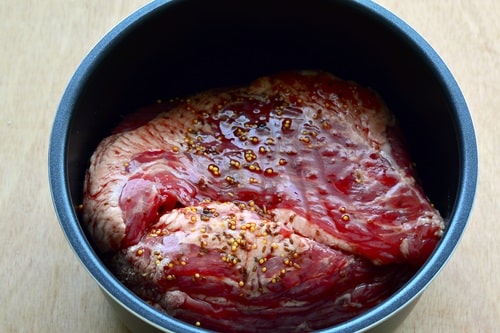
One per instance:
(287,205)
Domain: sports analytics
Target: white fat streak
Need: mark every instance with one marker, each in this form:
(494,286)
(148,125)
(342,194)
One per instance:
(258,243)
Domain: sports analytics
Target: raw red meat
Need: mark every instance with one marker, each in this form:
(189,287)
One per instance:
(235,269)
(287,205)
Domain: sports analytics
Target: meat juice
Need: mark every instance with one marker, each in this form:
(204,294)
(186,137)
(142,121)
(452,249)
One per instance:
(288,205)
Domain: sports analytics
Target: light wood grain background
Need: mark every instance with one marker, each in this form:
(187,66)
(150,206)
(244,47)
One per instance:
(43,288)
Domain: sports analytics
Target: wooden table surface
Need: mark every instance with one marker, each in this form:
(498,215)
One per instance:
(43,288)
